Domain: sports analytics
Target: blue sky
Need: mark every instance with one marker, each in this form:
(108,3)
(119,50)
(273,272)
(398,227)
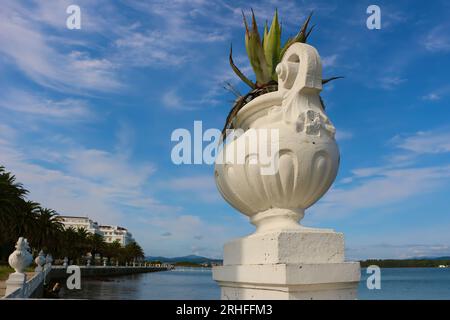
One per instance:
(87,115)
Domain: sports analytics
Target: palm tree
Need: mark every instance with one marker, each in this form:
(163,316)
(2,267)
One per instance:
(24,221)
(97,244)
(12,196)
(17,215)
(69,240)
(49,229)
(133,251)
(83,241)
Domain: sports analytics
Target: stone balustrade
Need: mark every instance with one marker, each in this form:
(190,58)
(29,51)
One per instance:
(17,285)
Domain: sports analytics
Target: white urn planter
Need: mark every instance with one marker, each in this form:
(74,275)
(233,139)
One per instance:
(19,260)
(40,261)
(283,259)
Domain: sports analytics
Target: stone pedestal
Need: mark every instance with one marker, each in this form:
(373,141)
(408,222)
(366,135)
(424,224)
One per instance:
(15,281)
(303,263)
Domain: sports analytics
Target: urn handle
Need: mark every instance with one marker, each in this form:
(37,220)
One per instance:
(300,70)
(300,82)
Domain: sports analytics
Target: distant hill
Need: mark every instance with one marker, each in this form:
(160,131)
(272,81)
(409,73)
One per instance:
(432,258)
(190,258)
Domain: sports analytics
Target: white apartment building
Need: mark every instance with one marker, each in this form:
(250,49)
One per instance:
(116,233)
(109,233)
(80,222)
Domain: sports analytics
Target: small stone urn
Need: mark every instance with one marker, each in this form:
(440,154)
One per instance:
(282,259)
(21,257)
(40,261)
(19,260)
(49,260)
(88,259)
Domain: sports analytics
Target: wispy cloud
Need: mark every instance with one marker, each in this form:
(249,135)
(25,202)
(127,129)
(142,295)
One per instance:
(174,37)
(387,187)
(171,100)
(391,183)
(431,97)
(342,135)
(75,180)
(425,142)
(25,42)
(438,40)
(27,103)
(390,82)
(437,94)
(329,61)
(153,48)
(198,187)
(183,229)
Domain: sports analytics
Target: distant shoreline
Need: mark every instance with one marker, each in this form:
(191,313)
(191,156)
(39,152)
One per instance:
(202,262)
(406,263)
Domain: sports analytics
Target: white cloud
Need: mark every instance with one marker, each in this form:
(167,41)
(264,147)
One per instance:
(75,180)
(431,97)
(329,61)
(6,132)
(183,230)
(438,39)
(44,108)
(402,178)
(149,49)
(171,100)
(125,139)
(175,40)
(198,187)
(203,182)
(425,142)
(390,82)
(437,94)
(342,135)
(24,41)
(387,187)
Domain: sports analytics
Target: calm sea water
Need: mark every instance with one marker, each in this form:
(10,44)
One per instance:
(401,283)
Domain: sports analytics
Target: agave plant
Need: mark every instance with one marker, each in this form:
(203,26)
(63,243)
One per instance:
(264,56)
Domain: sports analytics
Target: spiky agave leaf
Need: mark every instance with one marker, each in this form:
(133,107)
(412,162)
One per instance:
(272,46)
(255,52)
(266,32)
(302,36)
(325,81)
(238,72)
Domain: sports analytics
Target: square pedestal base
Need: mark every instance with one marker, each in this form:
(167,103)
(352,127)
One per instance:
(288,264)
(289,281)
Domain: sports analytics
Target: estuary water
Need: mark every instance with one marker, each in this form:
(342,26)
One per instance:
(396,283)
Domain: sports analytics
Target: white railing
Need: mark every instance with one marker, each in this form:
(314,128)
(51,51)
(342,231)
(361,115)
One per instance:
(17,285)
(192,269)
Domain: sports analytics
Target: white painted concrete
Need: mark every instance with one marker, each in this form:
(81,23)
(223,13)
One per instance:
(290,246)
(282,259)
